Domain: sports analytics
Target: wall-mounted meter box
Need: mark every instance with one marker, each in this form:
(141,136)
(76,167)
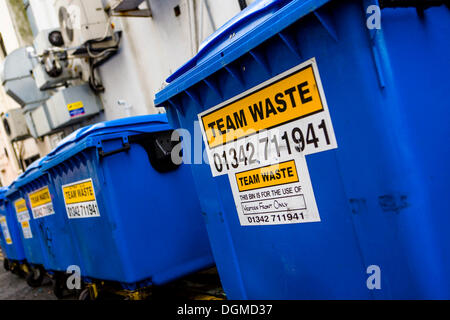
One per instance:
(73,104)
(66,107)
(15,125)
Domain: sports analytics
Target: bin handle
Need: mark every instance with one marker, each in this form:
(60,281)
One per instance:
(125,147)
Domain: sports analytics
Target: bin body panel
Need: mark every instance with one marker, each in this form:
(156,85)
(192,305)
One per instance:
(420,66)
(13,251)
(59,246)
(378,193)
(2,212)
(34,246)
(149,228)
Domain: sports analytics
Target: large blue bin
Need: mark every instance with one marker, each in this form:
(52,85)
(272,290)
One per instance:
(52,244)
(134,214)
(381,194)
(18,202)
(10,240)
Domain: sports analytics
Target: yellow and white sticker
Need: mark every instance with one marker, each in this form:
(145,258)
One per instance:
(80,201)
(282,117)
(27,234)
(21,210)
(5,230)
(41,203)
(280,193)
(23,217)
(260,139)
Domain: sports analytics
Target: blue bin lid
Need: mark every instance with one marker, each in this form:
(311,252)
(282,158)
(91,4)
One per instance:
(83,138)
(255,24)
(31,173)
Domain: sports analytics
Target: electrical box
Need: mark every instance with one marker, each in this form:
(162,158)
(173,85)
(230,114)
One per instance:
(82,20)
(66,107)
(73,104)
(15,125)
(38,122)
(45,82)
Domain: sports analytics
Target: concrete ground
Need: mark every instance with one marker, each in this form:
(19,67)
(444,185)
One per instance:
(13,287)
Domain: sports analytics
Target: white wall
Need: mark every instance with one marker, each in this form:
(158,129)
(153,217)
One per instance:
(9,167)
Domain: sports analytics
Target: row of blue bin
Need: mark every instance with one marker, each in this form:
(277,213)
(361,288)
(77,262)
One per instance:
(381,194)
(108,200)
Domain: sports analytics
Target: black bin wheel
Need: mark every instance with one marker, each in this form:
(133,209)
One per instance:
(59,285)
(6,264)
(85,295)
(35,277)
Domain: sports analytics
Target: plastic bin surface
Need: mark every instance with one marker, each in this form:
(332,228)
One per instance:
(381,193)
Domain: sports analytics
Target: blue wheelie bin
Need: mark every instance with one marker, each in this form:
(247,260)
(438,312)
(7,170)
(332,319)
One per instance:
(33,243)
(358,92)
(10,241)
(133,212)
(48,241)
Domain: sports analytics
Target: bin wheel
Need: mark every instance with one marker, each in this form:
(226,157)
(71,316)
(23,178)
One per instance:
(35,277)
(85,295)
(15,269)
(58,287)
(21,272)
(6,264)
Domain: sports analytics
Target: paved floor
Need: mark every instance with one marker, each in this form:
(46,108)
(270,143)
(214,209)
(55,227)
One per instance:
(13,287)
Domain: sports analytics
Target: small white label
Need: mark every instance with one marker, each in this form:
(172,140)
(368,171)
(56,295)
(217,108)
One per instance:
(280,193)
(287,115)
(41,203)
(80,201)
(21,210)
(5,230)
(27,234)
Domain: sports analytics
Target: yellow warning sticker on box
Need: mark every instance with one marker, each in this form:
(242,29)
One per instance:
(41,203)
(273,175)
(21,210)
(76,108)
(286,99)
(80,201)
(281,117)
(5,230)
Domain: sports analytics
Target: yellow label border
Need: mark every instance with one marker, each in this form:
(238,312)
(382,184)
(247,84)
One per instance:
(16,204)
(267,166)
(270,82)
(40,202)
(66,202)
